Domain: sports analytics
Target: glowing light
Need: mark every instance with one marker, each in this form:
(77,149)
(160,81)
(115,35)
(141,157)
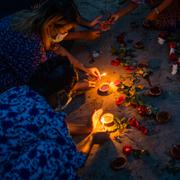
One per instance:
(103,74)
(107,119)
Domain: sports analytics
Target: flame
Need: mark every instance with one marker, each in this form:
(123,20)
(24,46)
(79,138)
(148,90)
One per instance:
(103,74)
(102,120)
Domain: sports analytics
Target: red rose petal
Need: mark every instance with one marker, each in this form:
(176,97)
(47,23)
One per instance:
(117,82)
(121,100)
(115,62)
(127,149)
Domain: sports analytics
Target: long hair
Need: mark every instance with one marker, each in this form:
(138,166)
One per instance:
(32,21)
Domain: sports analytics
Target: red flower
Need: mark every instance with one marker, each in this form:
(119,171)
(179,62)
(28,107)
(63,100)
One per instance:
(121,99)
(134,123)
(173,57)
(117,82)
(129,68)
(127,149)
(143,129)
(115,62)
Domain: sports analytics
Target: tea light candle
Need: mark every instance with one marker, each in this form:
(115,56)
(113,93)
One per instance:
(107,119)
(104,87)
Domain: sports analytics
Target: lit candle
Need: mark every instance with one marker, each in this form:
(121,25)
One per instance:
(104,87)
(107,119)
(103,74)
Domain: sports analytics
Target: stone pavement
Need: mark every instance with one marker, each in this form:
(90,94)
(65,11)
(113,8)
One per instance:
(163,136)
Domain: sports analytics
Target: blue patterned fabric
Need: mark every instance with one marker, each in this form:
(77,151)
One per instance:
(20,55)
(34,140)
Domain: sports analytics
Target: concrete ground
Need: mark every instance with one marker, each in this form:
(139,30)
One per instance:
(161,137)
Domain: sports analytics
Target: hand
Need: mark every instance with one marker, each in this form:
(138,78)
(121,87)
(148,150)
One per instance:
(92,35)
(113,18)
(96,120)
(152,16)
(84,85)
(95,22)
(93,72)
(100,137)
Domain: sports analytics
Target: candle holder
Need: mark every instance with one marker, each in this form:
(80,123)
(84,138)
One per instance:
(107,119)
(119,163)
(104,89)
(155,91)
(163,117)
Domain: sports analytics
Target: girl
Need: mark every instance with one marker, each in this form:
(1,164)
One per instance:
(34,140)
(29,38)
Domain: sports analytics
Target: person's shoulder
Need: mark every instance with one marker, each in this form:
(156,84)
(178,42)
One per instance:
(5,21)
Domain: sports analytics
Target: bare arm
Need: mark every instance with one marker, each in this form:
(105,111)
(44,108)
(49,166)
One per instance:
(63,52)
(129,8)
(123,11)
(164,5)
(90,71)
(156,11)
(83,35)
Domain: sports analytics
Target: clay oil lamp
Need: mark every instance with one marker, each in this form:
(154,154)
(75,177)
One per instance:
(119,163)
(155,91)
(107,120)
(163,117)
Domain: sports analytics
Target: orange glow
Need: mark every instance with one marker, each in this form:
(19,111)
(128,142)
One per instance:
(103,74)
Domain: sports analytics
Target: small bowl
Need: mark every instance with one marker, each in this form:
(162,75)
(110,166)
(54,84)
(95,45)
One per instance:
(104,89)
(155,91)
(163,117)
(107,119)
(119,163)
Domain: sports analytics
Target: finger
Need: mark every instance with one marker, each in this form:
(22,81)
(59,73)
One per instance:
(98,73)
(98,18)
(92,83)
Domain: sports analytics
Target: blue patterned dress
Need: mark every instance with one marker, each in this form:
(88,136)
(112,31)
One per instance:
(20,55)
(34,140)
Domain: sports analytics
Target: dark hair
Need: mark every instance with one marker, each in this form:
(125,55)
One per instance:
(32,21)
(54,75)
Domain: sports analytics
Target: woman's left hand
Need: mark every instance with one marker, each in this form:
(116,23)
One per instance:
(93,72)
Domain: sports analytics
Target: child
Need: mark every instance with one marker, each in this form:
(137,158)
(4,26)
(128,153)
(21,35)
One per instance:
(34,139)
(31,37)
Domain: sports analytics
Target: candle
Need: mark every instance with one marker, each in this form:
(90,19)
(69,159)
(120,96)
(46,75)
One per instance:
(103,74)
(107,119)
(104,87)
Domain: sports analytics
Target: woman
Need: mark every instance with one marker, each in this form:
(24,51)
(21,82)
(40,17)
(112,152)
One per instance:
(34,140)
(29,38)
(164,15)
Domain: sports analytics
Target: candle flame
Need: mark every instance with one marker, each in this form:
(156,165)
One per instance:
(103,74)
(102,120)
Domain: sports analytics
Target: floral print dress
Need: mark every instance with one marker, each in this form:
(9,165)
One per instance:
(34,140)
(20,55)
